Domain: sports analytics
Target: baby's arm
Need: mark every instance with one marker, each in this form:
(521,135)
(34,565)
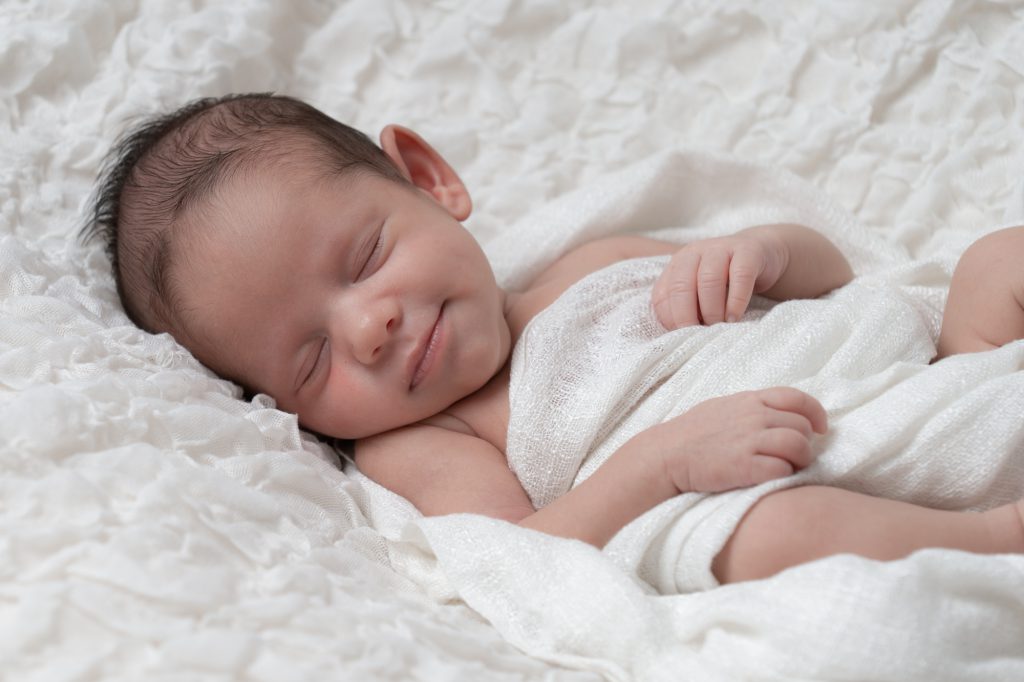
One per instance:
(710,280)
(724,443)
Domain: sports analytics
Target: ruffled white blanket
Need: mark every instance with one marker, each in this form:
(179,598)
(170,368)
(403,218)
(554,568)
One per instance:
(595,368)
(154,525)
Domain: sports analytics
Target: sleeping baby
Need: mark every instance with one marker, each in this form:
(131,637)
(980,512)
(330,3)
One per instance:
(292,255)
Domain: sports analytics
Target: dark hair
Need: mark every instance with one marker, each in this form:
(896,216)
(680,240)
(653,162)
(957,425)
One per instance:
(161,169)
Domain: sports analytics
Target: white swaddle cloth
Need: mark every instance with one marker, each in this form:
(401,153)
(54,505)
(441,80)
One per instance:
(596,367)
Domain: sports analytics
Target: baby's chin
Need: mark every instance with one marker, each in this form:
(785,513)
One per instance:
(424,413)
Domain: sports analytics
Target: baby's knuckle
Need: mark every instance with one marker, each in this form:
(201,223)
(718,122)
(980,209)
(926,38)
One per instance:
(743,270)
(798,447)
(719,478)
(792,441)
(707,279)
(743,471)
(678,287)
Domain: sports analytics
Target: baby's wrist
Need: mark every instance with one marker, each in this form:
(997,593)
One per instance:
(660,476)
(776,253)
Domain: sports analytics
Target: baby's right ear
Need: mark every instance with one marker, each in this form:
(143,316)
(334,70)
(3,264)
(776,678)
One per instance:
(424,167)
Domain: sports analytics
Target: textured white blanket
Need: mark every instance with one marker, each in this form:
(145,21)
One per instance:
(153,525)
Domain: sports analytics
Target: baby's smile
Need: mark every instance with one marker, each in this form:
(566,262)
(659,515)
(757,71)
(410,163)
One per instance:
(425,355)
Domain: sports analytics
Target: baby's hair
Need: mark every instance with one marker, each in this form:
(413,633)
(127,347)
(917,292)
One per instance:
(158,172)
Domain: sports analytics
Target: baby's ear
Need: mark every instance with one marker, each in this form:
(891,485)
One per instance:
(424,167)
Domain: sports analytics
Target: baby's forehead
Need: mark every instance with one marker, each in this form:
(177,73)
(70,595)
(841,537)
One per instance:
(263,201)
(275,179)
(284,185)
(285,174)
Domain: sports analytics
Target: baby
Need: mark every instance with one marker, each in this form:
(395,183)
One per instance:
(292,255)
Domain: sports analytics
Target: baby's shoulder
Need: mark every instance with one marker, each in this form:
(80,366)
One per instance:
(398,452)
(416,450)
(443,470)
(592,256)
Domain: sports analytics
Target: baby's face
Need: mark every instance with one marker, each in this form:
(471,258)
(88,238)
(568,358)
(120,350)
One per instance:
(359,304)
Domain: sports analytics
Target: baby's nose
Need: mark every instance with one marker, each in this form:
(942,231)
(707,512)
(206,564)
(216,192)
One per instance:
(375,331)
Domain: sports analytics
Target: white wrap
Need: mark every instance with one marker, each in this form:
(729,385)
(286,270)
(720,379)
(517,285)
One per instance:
(596,368)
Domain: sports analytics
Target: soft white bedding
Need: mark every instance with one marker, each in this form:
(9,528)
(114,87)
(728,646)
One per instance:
(153,525)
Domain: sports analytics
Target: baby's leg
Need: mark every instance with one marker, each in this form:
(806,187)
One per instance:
(985,308)
(798,525)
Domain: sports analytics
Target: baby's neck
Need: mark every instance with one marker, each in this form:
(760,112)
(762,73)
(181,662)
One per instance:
(483,414)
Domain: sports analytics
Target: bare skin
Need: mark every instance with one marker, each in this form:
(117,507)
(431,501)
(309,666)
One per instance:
(380,320)
(799,525)
(985,307)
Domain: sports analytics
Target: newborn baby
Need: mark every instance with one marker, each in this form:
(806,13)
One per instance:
(292,255)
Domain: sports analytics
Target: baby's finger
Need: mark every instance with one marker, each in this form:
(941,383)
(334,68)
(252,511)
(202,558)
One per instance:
(712,281)
(794,400)
(781,419)
(765,468)
(675,293)
(743,271)
(787,444)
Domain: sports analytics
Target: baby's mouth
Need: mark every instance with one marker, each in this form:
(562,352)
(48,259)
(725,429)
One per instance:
(425,353)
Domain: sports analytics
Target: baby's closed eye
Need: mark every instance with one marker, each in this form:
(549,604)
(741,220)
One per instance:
(373,248)
(314,363)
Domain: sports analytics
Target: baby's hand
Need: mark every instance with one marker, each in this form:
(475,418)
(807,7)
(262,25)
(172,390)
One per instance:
(738,440)
(712,280)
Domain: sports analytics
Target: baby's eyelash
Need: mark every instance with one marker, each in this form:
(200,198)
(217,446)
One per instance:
(316,362)
(377,245)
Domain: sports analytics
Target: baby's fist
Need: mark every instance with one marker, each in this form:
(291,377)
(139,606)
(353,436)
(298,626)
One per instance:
(738,440)
(712,280)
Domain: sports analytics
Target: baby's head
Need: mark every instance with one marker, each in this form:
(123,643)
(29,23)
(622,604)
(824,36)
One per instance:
(292,255)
